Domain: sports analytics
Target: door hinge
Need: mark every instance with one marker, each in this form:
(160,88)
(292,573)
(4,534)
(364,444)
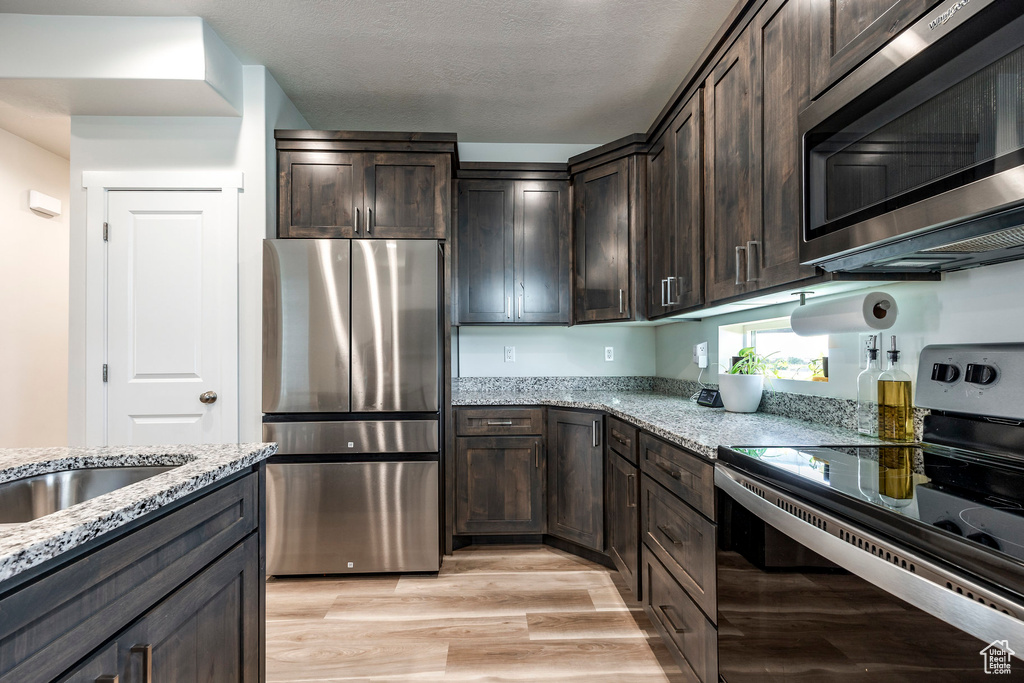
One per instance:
(104,372)
(106,231)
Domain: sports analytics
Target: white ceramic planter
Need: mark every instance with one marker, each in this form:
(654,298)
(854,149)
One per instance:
(741,393)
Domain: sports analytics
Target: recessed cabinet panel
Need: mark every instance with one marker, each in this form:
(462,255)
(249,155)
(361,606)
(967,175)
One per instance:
(576,477)
(485,277)
(320,193)
(542,244)
(602,243)
(499,485)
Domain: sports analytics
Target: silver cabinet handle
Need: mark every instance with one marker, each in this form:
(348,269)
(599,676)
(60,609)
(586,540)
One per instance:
(536,454)
(520,306)
(752,261)
(670,281)
(663,283)
(597,434)
(738,251)
(664,530)
(677,295)
(630,492)
(499,423)
(146,652)
(620,301)
(508,308)
(357,220)
(369,220)
(208,397)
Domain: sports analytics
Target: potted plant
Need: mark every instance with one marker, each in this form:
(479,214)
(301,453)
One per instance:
(741,388)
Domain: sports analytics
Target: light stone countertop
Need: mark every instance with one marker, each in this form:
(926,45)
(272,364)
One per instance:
(23,546)
(679,420)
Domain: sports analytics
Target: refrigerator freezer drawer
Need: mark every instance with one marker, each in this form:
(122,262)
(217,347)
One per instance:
(343,518)
(377,436)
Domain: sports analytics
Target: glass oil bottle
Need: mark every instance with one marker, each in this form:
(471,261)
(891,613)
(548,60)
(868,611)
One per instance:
(867,392)
(895,401)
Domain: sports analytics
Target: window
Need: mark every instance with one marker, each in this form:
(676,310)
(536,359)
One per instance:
(790,356)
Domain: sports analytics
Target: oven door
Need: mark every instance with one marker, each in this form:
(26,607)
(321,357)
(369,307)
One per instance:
(803,595)
(919,153)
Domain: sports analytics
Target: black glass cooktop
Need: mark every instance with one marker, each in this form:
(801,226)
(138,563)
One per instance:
(961,506)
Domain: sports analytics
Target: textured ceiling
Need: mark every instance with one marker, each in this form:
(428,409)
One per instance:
(567,71)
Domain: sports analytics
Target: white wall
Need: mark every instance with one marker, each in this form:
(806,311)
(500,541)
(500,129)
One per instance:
(33,298)
(556,351)
(972,306)
(189,143)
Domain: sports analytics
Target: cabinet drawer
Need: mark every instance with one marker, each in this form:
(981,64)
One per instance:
(51,624)
(683,540)
(692,639)
(682,473)
(622,438)
(499,421)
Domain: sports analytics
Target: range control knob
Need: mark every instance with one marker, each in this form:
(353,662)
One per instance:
(945,373)
(980,374)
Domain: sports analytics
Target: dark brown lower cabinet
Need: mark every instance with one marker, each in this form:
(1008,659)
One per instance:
(499,485)
(689,636)
(622,518)
(576,477)
(180,598)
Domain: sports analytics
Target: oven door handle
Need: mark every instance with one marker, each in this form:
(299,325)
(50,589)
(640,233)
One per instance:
(924,588)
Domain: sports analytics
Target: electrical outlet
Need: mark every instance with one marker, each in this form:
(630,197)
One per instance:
(609,353)
(700,354)
(510,354)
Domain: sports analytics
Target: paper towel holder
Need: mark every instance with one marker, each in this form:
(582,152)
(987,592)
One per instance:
(803,296)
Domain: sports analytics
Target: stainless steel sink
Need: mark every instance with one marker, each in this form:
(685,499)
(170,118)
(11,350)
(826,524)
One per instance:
(23,500)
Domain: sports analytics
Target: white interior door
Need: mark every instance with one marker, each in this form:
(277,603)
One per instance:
(172,319)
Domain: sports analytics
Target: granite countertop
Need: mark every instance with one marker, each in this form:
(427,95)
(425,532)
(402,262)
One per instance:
(678,419)
(23,546)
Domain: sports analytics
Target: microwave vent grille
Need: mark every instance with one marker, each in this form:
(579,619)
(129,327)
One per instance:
(1003,239)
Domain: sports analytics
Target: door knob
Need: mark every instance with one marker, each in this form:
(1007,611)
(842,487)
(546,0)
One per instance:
(208,397)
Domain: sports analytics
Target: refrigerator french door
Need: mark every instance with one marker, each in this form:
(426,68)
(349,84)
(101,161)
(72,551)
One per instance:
(351,393)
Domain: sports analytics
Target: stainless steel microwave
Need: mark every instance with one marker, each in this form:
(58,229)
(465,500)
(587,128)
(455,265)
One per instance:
(915,161)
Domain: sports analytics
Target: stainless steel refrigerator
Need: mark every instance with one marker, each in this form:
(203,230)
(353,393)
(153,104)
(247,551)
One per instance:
(351,394)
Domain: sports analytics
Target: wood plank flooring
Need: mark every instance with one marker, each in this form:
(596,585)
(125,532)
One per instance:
(493,613)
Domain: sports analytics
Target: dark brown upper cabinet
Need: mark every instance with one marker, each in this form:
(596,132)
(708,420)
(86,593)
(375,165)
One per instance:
(340,184)
(753,191)
(732,109)
(513,251)
(843,33)
(675,215)
(608,219)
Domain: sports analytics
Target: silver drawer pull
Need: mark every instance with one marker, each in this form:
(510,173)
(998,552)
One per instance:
(669,536)
(499,423)
(752,261)
(619,437)
(597,434)
(671,622)
(739,281)
(630,491)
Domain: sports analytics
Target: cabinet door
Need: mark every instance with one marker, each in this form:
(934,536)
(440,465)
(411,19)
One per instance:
(499,485)
(661,230)
(602,242)
(685,288)
(843,34)
(407,195)
(485,276)
(621,496)
(320,194)
(576,477)
(541,291)
(205,631)
(733,163)
(783,66)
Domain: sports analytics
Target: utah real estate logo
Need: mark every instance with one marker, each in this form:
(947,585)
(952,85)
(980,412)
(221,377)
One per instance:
(997,657)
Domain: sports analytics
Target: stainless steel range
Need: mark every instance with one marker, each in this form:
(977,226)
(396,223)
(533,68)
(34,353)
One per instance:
(351,394)
(899,561)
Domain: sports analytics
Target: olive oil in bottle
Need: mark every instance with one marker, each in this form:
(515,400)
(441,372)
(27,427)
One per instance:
(895,401)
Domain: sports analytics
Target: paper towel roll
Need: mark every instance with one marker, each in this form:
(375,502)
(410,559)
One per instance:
(858,313)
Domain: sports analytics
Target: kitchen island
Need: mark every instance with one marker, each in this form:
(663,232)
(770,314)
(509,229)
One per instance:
(157,580)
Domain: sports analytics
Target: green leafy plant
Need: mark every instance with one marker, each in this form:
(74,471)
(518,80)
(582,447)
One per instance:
(753,363)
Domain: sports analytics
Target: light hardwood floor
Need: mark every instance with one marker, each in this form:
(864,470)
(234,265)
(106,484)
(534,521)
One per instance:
(493,613)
